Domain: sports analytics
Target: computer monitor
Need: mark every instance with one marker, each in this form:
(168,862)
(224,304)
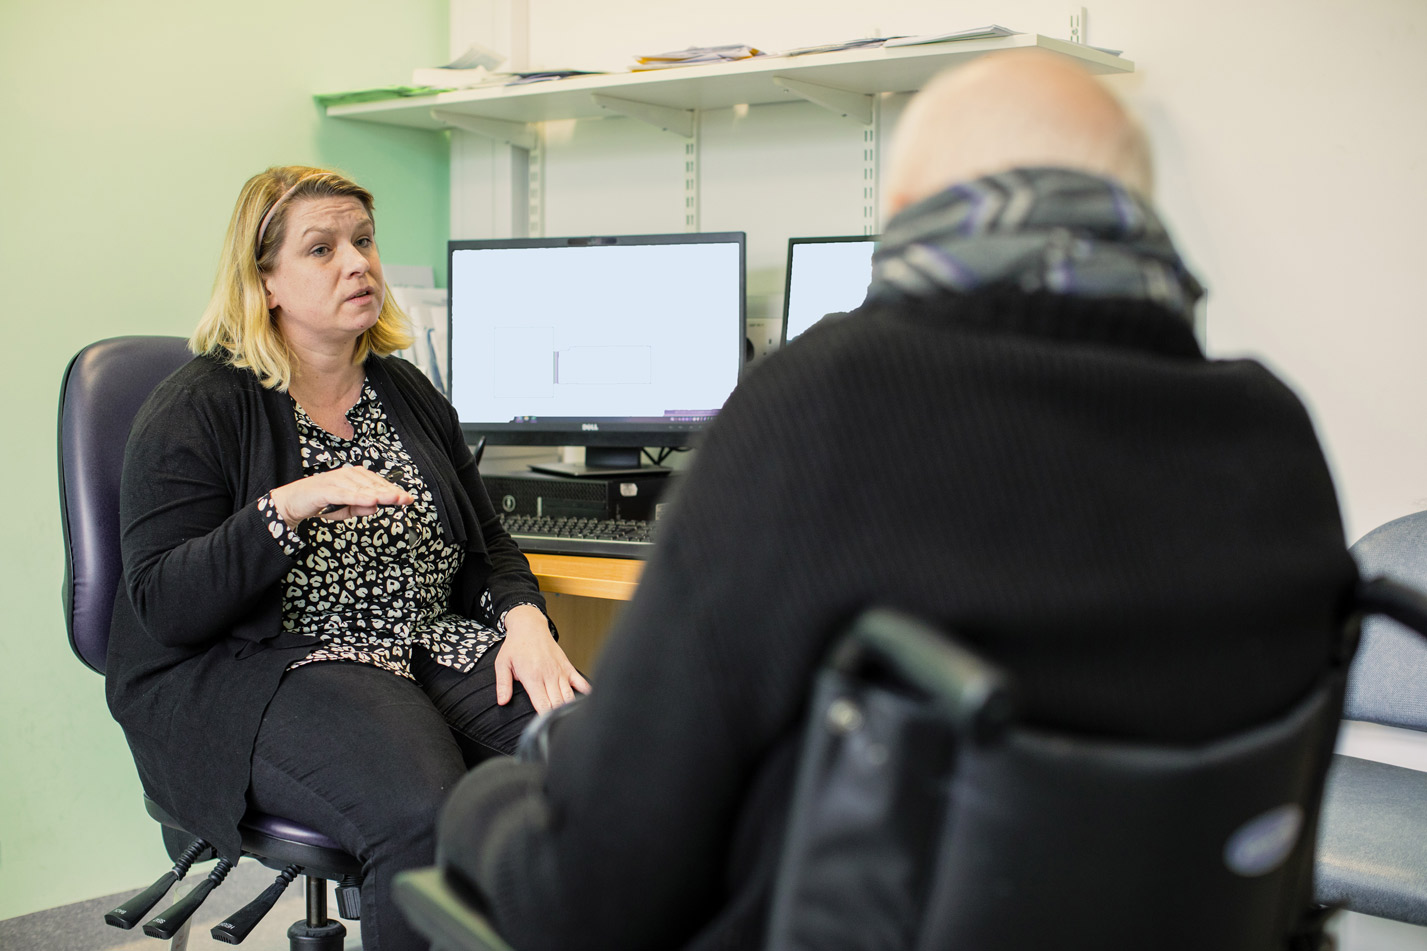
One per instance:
(612,343)
(825,276)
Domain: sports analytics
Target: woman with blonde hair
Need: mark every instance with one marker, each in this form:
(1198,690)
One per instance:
(322,617)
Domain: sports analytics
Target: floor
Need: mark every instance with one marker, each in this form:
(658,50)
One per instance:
(81,927)
(1366,933)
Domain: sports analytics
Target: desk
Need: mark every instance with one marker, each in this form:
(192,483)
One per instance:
(584,595)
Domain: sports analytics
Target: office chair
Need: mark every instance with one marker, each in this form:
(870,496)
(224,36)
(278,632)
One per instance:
(104,386)
(924,815)
(1372,855)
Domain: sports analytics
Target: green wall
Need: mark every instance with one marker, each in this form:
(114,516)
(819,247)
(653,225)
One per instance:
(126,130)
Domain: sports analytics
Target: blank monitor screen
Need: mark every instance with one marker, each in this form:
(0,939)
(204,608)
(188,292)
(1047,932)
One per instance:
(631,340)
(825,276)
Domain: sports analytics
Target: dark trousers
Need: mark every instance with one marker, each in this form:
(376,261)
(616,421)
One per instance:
(368,757)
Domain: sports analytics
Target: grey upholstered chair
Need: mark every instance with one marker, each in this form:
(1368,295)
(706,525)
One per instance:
(1372,850)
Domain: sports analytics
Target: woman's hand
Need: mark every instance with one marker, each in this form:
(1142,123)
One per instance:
(530,655)
(336,494)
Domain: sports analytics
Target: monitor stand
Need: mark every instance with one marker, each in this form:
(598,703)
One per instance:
(602,462)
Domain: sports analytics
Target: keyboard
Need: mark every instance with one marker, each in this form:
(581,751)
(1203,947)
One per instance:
(580,536)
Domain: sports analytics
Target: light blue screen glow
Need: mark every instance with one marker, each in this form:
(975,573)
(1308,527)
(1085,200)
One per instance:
(826,277)
(644,331)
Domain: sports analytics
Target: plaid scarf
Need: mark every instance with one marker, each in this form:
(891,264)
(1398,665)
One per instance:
(1050,230)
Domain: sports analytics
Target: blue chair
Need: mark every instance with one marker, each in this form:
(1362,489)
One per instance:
(104,386)
(1372,855)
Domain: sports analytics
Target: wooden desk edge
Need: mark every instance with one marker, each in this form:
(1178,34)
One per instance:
(589,577)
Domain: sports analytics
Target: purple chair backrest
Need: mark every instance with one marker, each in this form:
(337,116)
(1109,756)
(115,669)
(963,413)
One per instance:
(104,386)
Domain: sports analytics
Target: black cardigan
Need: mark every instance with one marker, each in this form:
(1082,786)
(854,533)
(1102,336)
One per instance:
(196,646)
(1148,540)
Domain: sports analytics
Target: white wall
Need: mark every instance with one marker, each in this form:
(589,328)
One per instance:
(1290,144)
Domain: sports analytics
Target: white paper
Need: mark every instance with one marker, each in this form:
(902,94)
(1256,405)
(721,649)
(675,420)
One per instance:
(978,33)
(426,308)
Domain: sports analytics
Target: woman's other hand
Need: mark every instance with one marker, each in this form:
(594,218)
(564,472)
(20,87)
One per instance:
(530,655)
(337,494)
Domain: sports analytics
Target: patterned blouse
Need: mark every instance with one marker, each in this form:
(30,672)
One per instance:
(372,587)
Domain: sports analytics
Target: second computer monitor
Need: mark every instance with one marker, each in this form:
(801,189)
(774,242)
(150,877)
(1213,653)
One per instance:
(825,276)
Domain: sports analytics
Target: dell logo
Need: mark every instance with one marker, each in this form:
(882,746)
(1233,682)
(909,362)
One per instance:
(590,427)
(508,503)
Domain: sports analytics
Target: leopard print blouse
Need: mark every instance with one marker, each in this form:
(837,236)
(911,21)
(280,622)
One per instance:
(371,588)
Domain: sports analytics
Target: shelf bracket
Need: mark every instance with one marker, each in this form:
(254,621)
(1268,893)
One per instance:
(518,134)
(668,118)
(871,172)
(854,105)
(535,185)
(691,181)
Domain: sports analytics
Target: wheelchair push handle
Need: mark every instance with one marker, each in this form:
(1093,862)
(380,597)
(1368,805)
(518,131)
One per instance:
(974,695)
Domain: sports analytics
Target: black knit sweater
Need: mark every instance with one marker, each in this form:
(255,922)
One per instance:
(196,646)
(1149,541)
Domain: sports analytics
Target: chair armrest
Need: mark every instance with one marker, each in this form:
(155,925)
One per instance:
(1403,603)
(1371,857)
(442,914)
(534,743)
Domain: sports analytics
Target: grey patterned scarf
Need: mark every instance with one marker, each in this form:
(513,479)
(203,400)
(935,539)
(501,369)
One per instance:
(1033,229)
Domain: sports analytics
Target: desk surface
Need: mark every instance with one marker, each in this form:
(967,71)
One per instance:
(611,578)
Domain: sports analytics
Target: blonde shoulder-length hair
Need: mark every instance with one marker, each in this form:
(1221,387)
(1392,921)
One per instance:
(237,326)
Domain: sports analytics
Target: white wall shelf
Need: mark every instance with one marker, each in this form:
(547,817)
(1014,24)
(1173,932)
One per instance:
(833,76)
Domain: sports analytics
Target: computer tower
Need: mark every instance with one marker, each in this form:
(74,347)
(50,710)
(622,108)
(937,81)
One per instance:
(515,490)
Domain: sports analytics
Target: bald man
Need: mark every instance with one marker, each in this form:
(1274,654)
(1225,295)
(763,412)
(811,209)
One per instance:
(1017,437)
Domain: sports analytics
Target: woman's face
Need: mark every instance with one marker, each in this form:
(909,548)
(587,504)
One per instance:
(327,287)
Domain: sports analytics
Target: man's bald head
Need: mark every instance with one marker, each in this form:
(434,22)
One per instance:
(1013,110)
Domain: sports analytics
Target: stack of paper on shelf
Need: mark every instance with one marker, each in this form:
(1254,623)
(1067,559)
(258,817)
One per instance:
(471,68)
(696,55)
(516,79)
(868,42)
(443,77)
(373,95)
(976,33)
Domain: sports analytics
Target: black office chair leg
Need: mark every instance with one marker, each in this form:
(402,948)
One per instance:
(318,932)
